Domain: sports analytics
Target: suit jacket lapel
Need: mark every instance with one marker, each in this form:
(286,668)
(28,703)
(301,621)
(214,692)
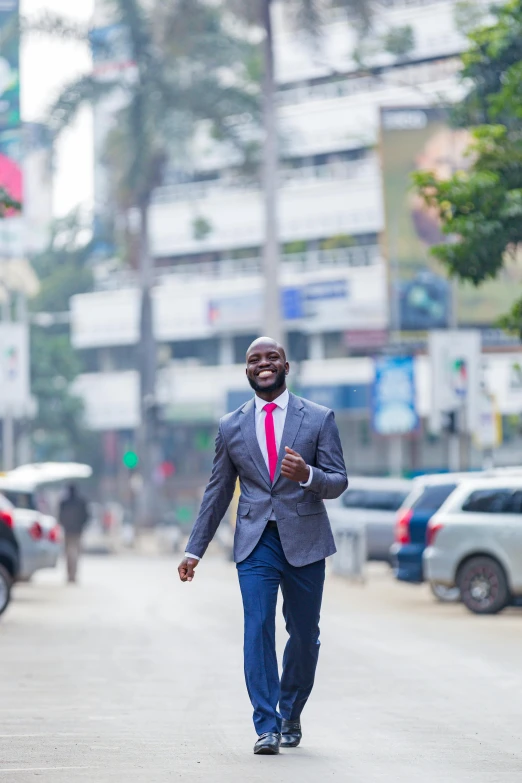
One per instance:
(247,423)
(294,418)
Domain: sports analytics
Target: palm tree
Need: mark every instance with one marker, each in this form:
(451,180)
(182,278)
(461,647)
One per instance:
(179,51)
(7,203)
(306,15)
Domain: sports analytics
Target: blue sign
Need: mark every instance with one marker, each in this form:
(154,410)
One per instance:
(293,306)
(393,396)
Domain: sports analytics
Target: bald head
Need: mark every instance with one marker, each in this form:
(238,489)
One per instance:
(266,342)
(267,368)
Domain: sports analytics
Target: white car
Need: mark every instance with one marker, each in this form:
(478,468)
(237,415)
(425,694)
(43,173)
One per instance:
(39,536)
(37,531)
(474,542)
(373,503)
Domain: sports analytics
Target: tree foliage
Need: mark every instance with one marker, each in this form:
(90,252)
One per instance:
(7,204)
(400,41)
(306,15)
(481,208)
(183,67)
(64,270)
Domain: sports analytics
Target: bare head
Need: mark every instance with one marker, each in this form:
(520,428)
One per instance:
(267,368)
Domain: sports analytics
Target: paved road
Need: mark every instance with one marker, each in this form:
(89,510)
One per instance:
(134,677)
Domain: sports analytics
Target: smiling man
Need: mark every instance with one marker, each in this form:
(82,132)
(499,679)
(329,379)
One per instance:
(288,456)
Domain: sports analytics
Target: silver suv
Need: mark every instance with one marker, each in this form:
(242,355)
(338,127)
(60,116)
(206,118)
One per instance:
(474,542)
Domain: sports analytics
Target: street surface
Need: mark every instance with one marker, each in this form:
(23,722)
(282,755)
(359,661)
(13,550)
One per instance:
(132,676)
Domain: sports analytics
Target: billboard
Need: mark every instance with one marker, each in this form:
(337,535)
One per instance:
(414,139)
(394,410)
(326,299)
(455,358)
(11,180)
(15,395)
(348,299)
(9,64)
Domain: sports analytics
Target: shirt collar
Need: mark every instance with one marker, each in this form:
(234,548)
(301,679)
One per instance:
(281,401)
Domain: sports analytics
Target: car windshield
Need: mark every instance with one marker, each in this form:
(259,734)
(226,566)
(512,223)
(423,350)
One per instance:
(24,500)
(432,497)
(378,500)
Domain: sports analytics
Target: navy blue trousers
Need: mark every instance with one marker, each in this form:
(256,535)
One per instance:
(260,576)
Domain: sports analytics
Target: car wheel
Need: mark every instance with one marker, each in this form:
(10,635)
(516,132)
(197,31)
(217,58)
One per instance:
(5,589)
(447,595)
(483,585)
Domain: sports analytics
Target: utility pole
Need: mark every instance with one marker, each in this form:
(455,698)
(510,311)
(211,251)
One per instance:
(147,373)
(455,434)
(8,434)
(273,322)
(395,442)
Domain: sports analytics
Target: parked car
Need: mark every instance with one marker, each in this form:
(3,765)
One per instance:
(475,543)
(9,553)
(427,496)
(103,532)
(38,535)
(373,502)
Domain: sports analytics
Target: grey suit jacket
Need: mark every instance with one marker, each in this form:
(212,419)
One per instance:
(304,528)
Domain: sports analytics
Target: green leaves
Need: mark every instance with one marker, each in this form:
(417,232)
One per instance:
(64,270)
(400,41)
(7,204)
(481,209)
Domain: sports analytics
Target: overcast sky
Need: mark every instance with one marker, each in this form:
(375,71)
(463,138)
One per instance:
(47,65)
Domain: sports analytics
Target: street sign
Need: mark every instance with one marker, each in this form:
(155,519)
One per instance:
(394,410)
(455,357)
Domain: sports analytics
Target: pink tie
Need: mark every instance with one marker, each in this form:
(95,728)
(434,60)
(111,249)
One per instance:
(270,439)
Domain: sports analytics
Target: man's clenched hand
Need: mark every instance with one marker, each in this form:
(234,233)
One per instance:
(186,569)
(294,467)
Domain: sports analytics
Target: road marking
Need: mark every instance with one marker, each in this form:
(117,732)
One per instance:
(40,769)
(41,734)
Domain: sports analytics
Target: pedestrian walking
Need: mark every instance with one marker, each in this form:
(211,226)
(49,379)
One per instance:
(288,456)
(73,518)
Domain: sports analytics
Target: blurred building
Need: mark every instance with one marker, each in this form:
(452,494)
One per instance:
(207,235)
(38,186)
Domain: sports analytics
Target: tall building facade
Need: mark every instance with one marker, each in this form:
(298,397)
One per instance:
(207,234)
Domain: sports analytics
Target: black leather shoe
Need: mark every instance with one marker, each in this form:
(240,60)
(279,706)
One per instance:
(268,744)
(291,733)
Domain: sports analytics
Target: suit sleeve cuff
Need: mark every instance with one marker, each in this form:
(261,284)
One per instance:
(306,484)
(192,557)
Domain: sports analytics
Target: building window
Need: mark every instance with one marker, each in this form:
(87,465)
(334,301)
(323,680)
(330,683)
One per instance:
(241,345)
(297,347)
(204,352)
(89,360)
(335,345)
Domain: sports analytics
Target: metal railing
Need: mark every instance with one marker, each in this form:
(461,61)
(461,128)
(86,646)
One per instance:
(408,74)
(334,170)
(310,261)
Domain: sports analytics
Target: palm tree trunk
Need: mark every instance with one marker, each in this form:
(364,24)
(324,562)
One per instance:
(273,320)
(147,372)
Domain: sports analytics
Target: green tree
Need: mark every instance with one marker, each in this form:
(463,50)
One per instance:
(307,15)
(481,208)
(400,41)
(7,203)
(63,268)
(186,67)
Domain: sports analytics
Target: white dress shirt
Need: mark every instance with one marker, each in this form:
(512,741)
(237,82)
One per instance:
(279,416)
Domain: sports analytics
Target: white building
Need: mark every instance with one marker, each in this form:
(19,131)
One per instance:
(208,298)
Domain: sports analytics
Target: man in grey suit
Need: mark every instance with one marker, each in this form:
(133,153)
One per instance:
(287,454)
